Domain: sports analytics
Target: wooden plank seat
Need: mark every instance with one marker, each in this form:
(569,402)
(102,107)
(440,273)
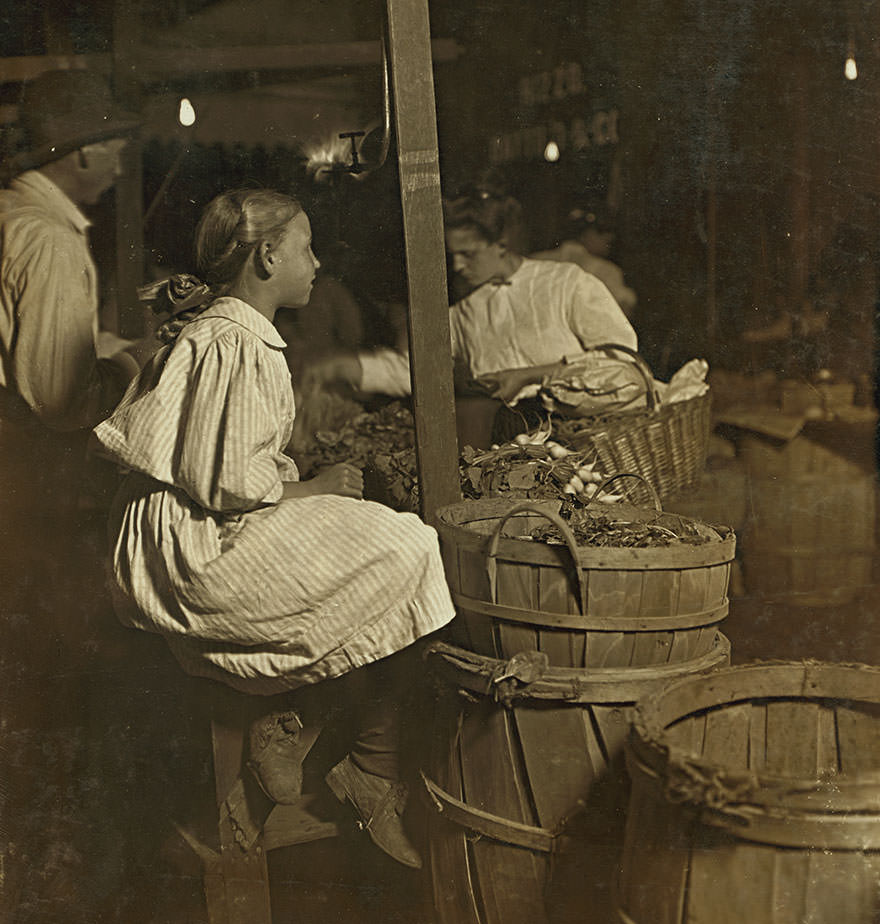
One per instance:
(249,823)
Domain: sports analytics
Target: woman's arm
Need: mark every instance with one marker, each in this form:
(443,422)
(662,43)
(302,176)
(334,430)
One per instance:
(506,384)
(595,317)
(384,371)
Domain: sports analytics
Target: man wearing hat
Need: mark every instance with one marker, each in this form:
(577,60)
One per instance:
(53,382)
(56,383)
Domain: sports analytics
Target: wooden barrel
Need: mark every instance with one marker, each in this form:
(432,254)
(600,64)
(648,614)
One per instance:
(528,784)
(756,797)
(811,533)
(583,607)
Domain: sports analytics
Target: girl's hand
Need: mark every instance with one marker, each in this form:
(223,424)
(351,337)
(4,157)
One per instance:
(342,478)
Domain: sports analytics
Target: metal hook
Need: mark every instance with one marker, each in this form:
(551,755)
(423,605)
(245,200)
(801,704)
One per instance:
(355,165)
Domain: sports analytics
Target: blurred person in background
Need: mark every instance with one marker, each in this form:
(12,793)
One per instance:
(587,241)
(59,374)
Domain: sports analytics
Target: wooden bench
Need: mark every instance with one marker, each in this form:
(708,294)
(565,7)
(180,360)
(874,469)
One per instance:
(249,824)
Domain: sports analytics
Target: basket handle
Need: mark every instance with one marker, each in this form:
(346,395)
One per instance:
(557,521)
(651,397)
(658,506)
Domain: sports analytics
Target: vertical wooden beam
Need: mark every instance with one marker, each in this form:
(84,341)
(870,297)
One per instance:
(429,338)
(129,187)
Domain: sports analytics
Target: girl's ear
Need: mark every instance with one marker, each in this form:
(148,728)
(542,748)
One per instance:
(265,257)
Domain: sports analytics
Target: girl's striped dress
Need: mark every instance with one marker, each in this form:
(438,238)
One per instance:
(263,593)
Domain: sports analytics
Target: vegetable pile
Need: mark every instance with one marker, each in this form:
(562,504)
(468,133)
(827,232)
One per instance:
(382,443)
(600,529)
(532,465)
(389,429)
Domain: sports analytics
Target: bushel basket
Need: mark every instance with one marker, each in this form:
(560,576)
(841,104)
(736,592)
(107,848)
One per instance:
(555,641)
(582,606)
(755,798)
(665,444)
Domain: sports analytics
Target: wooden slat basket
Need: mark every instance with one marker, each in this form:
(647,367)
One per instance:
(756,797)
(583,607)
(528,784)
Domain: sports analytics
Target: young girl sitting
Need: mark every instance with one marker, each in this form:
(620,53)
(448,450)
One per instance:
(255,578)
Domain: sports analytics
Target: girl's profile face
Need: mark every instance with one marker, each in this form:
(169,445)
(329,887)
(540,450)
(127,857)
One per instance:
(474,258)
(295,262)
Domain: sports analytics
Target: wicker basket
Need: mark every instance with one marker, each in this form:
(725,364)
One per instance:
(665,444)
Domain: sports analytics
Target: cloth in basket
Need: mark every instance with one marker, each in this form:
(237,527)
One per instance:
(665,441)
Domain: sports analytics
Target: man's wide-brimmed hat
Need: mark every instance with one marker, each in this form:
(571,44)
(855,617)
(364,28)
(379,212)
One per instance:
(61,111)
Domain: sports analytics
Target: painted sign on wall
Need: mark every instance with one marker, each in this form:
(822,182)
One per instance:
(554,118)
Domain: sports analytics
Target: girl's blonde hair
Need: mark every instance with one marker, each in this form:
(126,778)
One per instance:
(231,226)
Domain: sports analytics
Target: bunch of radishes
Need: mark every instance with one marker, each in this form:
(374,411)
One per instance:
(584,478)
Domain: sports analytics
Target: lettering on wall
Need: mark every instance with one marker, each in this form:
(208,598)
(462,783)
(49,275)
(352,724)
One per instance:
(577,135)
(554,106)
(564,81)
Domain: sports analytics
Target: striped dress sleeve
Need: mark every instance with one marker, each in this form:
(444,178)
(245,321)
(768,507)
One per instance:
(226,453)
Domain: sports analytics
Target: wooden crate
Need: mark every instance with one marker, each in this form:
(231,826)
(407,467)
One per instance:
(801,397)
(810,536)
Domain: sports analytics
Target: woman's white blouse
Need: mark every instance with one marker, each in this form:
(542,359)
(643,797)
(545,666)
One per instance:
(542,313)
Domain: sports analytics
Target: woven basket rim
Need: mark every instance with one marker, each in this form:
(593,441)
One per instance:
(668,446)
(642,415)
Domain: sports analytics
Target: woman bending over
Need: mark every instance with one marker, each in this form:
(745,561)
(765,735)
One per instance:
(520,319)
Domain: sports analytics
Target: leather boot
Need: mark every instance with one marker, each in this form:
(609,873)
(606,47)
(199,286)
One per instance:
(278,746)
(379,804)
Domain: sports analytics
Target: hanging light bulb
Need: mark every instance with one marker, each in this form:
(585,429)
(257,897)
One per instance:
(186,114)
(551,152)
(850,71)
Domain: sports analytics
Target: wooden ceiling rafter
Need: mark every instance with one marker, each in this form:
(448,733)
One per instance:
(152,63)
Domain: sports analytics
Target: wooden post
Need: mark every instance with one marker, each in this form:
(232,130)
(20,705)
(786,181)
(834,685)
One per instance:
(129,187)
(429,338)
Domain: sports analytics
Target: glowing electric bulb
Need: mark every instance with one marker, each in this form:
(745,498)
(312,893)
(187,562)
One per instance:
(850,71)
(186,115)
(551,152)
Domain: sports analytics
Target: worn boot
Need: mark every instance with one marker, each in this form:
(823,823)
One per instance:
(379,804)
(278,746)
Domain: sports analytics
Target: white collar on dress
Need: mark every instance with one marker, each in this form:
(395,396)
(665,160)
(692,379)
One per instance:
(234,309)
